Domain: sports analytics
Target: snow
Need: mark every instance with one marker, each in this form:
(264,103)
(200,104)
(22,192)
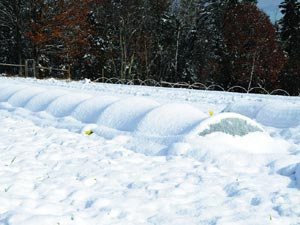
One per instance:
(297,174)
(65,105)
(125,114)
(245,108)
(20,98)
(41,101)
(89,110)
(8,91)
(155,156)
(280,115)
(284,115)
(170,119)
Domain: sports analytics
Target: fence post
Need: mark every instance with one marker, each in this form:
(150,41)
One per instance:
(69,72)
(102,75)
(20,69)
(26,68)
(30,66)
(35,69)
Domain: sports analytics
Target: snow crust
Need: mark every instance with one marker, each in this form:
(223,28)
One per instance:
(144,161)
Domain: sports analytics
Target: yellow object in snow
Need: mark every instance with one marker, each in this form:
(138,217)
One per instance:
(211,113)
(89,132)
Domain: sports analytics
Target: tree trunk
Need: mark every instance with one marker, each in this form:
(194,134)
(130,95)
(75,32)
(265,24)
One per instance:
(176,54)
(252,70)
(18,34)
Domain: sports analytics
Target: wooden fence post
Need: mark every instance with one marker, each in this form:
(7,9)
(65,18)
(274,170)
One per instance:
(35,69)
(26,68)
(69,72)
(20,69)
(102,75)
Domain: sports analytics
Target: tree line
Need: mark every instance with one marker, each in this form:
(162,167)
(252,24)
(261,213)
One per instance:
(222,42)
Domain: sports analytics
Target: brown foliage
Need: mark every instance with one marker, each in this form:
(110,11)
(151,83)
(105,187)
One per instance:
(62,28)
(251,41)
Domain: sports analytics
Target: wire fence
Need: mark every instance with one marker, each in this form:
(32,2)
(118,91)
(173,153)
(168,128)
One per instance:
(30,67)
(195,86)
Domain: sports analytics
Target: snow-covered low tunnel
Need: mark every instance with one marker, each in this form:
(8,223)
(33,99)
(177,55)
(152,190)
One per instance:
(279,115)
(140,115)
(155,125)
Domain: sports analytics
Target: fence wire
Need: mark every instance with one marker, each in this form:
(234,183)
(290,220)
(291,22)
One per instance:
(195,86)
(152,82)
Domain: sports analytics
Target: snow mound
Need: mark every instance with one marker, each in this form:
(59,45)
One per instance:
(274,114)
(8,91)
(64,105)
(228,123)
(170,119)
(22,97)
(283,115)
(124,115)
(245,108)
(289,167)
(41,101)
(89,110)
(228,151)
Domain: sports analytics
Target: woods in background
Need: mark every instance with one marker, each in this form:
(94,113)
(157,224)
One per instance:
(218,42)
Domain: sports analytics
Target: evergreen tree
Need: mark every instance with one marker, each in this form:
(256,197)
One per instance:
(254,2)
(11,27)
(290,40)
(214,54)
(290,26)
(188,41)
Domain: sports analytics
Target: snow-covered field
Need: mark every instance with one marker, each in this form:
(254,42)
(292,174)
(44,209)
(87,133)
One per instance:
(155,156)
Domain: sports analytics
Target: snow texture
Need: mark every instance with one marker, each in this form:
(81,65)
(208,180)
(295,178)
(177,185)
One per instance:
(125,114)
(280,115)
(153,156)
(170,119)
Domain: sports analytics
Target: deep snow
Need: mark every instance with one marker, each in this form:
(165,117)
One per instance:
(155,155)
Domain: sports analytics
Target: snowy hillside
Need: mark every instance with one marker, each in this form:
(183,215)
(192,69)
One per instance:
(87,153)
